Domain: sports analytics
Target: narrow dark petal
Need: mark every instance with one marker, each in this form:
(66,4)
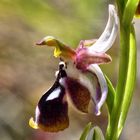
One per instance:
(97,88)
(79,94)
(53,110)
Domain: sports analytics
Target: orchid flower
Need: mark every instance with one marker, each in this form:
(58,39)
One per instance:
(88,55)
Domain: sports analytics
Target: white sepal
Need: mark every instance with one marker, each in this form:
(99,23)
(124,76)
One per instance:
(108,37)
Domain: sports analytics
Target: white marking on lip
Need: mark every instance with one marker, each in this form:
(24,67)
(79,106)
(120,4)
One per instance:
(37,113)
(62,81)
(54,94)
(62,63)
(56,73)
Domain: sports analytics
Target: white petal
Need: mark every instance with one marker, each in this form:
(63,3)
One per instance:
(107,38)
(104,89)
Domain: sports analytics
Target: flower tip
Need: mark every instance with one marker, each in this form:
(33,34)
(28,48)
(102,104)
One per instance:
(111,7)
(48,40)
(40,43)
(33,124)
(97,112)
(109,59)
(109,34)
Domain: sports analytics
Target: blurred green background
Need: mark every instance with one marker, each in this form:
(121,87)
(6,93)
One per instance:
(26,71)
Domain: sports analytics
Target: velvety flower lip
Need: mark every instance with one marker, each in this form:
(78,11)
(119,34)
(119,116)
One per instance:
(52,110)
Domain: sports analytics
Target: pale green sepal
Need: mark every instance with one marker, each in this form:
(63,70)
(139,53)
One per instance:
(95,134)
(86,131)
(110,96)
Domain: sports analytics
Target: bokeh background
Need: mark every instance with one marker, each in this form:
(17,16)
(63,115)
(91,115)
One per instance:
(26,71)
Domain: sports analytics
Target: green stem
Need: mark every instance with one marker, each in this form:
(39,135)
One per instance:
(126,82)
(112,130)
(130,81)
(121,6)
(124,93)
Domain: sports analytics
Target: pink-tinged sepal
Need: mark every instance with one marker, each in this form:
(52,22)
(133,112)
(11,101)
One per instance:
(84,58)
